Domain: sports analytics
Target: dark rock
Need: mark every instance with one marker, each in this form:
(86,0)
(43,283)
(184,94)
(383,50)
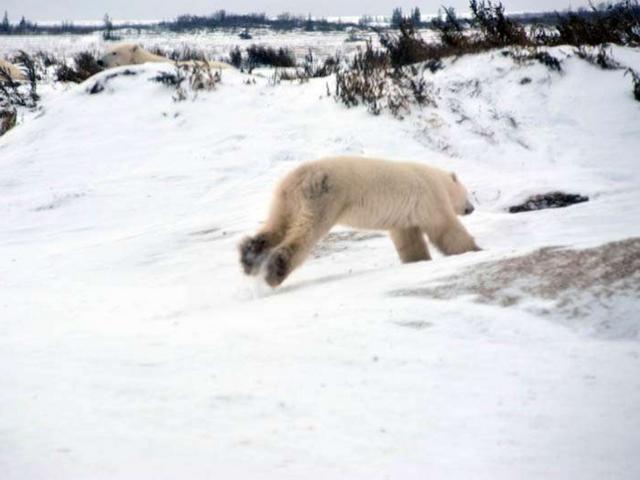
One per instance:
(548,200)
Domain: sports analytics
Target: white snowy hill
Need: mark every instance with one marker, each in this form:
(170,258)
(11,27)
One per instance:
(132,347)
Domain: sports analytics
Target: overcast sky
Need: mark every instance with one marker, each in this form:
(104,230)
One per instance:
(159,9)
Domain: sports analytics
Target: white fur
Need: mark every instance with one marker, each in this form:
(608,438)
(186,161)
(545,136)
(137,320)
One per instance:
(14,71)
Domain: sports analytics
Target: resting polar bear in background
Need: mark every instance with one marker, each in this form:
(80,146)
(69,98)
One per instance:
(131,54)
(407,199)
(14,72)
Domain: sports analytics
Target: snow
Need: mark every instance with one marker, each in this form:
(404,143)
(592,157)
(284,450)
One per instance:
(131,346)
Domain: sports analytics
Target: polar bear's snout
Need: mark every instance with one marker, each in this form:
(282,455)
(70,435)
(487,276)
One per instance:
(468,210)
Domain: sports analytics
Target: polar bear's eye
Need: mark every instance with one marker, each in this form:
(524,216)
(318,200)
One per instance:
(113,53)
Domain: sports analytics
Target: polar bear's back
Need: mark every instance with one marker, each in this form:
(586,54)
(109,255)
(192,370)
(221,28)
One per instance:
(374,193)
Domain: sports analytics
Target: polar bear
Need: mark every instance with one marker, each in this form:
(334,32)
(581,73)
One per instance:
(407,199)
(131,54)
(14,72)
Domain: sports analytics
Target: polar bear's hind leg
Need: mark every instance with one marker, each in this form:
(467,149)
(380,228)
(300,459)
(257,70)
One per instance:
(410,244)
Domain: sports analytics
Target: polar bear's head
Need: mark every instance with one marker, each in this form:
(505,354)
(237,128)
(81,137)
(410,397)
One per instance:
(123,54)
(459,196)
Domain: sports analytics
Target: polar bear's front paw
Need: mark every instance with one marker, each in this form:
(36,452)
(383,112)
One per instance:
(252,253)
(278,267)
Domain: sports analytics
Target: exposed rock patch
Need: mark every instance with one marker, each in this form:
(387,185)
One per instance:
(548,200)
(595,289)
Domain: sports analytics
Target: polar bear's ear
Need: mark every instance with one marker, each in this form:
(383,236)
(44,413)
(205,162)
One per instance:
(135,48)
(453,177)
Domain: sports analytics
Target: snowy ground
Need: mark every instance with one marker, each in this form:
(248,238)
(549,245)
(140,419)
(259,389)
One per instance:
(132,347)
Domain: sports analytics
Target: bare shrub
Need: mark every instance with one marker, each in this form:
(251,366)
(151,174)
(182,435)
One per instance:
(47,59)
(543,35)
(369,80)
(526,55)
(12,93)
(85,65)
(618,23)
(450,28)
(189,78)
(42,62)
(157,51)
(381,79)
(600,57)
(170,79)
(8,118)
(65,73)
(235,57)
(548,60)
(635,79)
(201,76)
(362,82)
(497,29)
(407,47)
(311,67)
(185,54)
(30,69)
(268,56)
